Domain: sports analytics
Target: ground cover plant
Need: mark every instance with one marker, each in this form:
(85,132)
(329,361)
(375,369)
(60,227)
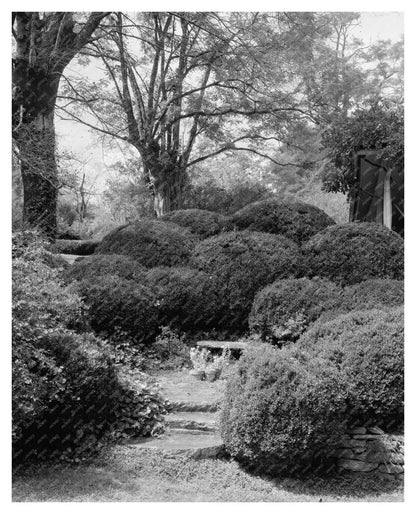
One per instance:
(353,252)
(283,310)
(296,220)
(151,243)
(241,263)
(201,222)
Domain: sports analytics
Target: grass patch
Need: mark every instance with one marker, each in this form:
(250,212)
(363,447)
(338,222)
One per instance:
(128,475)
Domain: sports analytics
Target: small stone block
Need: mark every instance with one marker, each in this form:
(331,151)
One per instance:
(345,453)
(358,430)
(368,437)
(391,468)
(397,458)
(356,465)
(359,449)
(375,430)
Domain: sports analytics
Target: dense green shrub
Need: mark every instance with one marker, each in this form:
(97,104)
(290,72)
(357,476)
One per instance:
(187,299)
(283,310)
(297,221)
(97,265)
(242,263)
(150,242)
(119,305)
(75,247)
(66,391)
(281,416)
(200,222)
(375,293)
(367,348)
(353,252)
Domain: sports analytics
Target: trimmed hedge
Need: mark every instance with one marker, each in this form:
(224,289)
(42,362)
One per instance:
(367,349)
(200,222)
(187,299)
(280,416)
(93,266)
(242,263)
(119,306)
(151,243)
(283,310)
(297,221)
(354,252)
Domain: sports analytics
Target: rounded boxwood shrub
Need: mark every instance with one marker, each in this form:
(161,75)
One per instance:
(187,299)
(97,265)
(280,416)
(151,243)
(200,222)
(353,252)
(242,263)
(117,305)
(283,310)
(297,221)
(367,349)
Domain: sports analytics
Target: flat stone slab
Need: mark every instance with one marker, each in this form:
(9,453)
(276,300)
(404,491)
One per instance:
(196,446)
(233,345)
(202,421)
(70,259)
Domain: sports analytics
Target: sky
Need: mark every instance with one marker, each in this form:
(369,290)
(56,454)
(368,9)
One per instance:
(76,138)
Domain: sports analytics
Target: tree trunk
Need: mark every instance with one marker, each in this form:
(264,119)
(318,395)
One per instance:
(168,186)
(36,143)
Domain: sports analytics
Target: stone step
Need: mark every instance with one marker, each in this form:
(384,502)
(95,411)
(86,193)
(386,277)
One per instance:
(195,421)
(189,406)
(195,446)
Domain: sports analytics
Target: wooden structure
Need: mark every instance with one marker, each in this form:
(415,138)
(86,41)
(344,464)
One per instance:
(379,196)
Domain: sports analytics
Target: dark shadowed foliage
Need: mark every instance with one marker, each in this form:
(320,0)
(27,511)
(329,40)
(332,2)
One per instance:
(242,263)
(151,243)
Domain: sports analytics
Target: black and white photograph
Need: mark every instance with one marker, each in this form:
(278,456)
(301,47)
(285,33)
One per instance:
(207,254)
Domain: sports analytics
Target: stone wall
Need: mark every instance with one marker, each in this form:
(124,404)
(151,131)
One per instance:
(371,450)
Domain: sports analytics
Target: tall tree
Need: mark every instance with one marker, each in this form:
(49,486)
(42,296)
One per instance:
(189,86)
(45,43)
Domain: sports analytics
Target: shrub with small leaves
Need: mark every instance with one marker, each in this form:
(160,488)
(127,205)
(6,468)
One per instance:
(151,243)
(283,310)
(115,303)
(354,252)
(97,265)
(367,349)
(187,299)
(297,221)
(198,221)
(281,416)
(242,263)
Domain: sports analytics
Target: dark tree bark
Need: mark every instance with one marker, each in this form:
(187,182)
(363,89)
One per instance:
(44,47)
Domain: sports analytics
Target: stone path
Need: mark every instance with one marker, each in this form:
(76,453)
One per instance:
(192,421)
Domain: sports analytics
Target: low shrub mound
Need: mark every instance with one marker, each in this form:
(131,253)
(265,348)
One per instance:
(283,310)
(242,263)
(367,349)
(280,416)
(354,252)
(151,243)
(297,221)
(200,222)
(75,247)
(97,265)
(119,307)
(187,299)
